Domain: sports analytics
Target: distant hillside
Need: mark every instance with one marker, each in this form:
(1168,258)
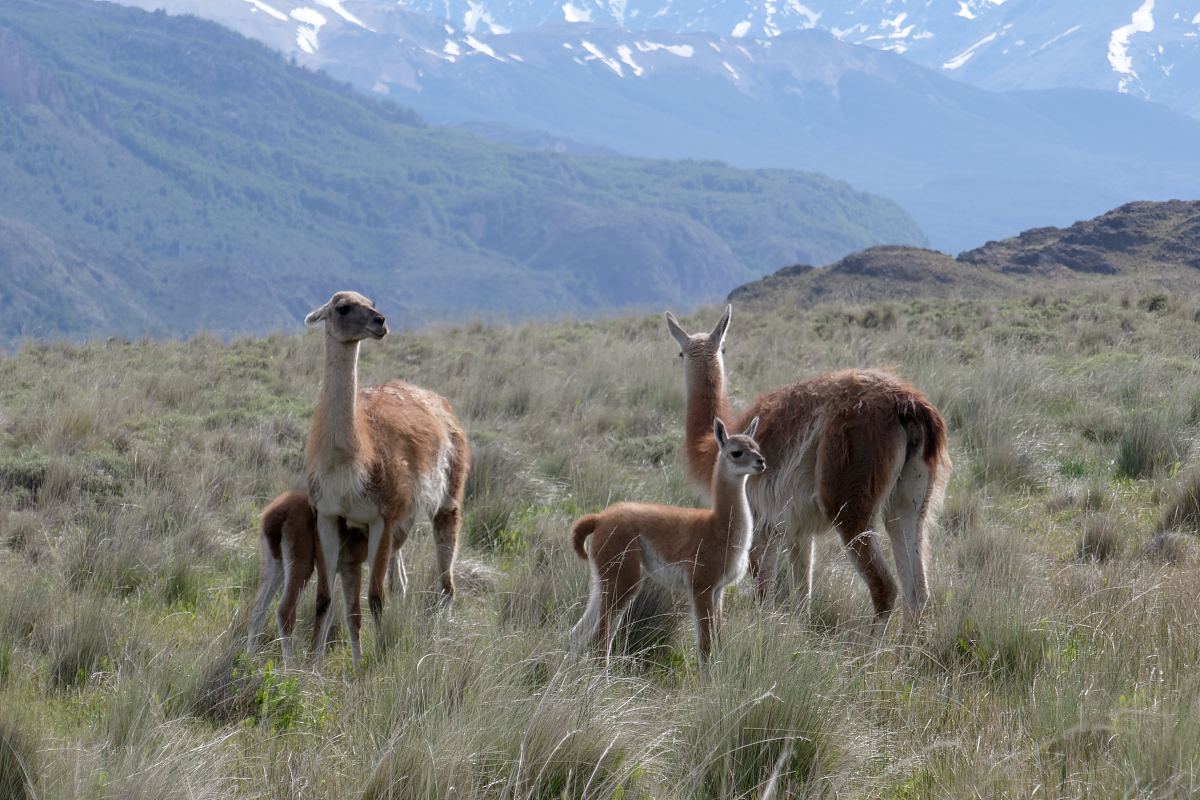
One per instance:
(1151,243)
(162,174)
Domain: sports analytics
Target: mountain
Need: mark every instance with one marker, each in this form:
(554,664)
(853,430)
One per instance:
(163,174)
(969,164)
(1150,244)
(1150,48)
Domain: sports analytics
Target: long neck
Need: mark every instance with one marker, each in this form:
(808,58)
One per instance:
(731,509)
(704,398)
(335,432)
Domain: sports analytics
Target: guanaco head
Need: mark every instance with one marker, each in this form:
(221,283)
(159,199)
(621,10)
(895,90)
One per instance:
(700,350)
(739,451)
(349,317)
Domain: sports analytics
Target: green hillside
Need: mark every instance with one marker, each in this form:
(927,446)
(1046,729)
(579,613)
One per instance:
(180,177)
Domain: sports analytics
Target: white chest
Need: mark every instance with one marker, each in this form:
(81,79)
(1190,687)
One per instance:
(341,492)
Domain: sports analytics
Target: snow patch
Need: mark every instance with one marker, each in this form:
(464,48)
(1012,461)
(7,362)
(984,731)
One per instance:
(336,7)
(964,11)
(1196,19)
(626,55)
(573,13)
(477,13)
(716,48)
(380,88)
(1119,59)
(451,48)
(266,9)
(310,21)
(1062,35)
(898,32)
(741,29)
(599,55)
(966,55)
(480,47)
(732,71)
(810,17)
(681,50)
(617,9)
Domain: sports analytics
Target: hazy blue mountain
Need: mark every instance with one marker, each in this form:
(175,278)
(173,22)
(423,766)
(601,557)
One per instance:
(164,174)
(1150,48)
(969,164)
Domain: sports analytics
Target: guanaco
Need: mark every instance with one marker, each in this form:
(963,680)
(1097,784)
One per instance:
(700,550)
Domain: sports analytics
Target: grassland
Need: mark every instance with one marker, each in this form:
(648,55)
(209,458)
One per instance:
(1058,658)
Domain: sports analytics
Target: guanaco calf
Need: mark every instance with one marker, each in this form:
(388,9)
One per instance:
(289,552)
(701,550)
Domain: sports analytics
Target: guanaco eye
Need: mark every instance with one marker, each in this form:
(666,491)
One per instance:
(342,310)
(737,454)
(681,354)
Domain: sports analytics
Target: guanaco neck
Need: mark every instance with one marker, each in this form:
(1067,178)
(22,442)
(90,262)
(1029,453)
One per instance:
(336,437)
(704,400)
(731,509)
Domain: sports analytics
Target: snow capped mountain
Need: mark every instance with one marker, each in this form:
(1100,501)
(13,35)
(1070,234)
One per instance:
(1149,48)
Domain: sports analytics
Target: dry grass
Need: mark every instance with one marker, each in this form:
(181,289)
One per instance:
(1057,660)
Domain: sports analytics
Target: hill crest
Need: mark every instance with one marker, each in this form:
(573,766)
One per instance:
(1147,241)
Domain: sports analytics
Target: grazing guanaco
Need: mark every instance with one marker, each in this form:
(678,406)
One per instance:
(378,458)
(856,450)
(699,550)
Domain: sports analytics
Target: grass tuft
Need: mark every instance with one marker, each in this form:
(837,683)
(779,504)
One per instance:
(1183,509)
(1099,540)
(760,724)
(80,646)
(18,760)
(1148,443)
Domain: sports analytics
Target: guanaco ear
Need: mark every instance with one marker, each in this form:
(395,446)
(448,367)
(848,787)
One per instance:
(717,336)
(677,333)
(315,317)
(751,429)
(719,429)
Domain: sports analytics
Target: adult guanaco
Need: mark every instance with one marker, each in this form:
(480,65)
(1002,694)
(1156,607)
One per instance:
(857,450)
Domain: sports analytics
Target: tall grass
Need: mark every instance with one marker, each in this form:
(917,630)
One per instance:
(1056,657)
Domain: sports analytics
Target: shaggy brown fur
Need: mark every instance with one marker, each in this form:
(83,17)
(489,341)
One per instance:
(854,450)
(378,458)
(700,550)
